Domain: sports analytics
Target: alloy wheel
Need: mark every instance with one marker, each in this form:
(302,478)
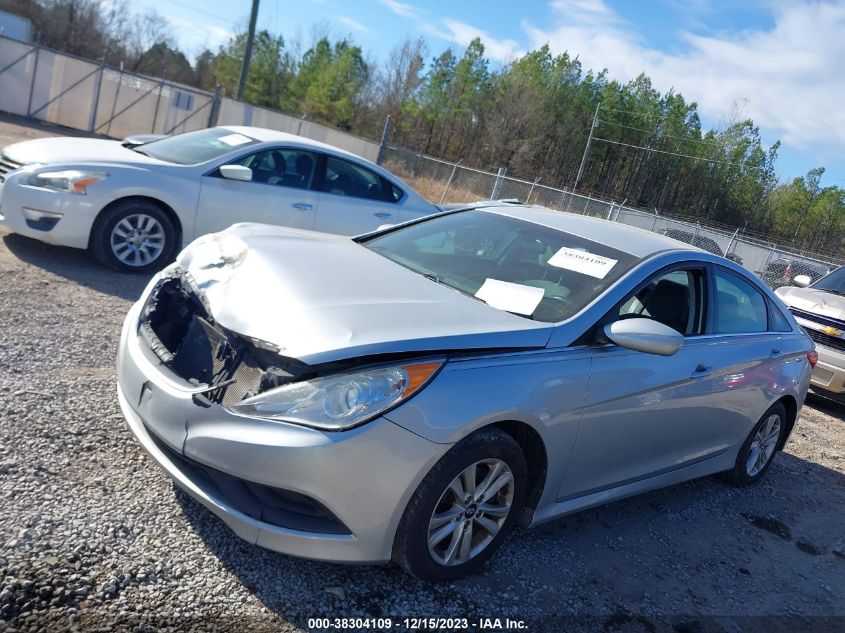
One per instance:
(137,239)
(763,445)
(470,512)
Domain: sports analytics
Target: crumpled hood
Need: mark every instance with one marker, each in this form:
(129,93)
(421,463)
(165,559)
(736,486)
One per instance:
(322,298)
(814,300)
(63,149)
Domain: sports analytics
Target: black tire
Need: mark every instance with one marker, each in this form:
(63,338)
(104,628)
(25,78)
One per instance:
(101,235)
(739,475)
(410,547)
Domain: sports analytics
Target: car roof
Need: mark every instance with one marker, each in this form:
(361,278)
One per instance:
(270,136)
(622,237)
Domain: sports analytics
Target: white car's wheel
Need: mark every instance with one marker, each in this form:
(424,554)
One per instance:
(134,236)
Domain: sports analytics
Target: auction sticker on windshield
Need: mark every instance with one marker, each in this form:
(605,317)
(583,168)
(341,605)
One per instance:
(234,139)
(582,262)
(509,297)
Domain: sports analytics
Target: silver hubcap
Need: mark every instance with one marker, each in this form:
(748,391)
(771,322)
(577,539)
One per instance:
(763,445)
(470,512)
(137,239)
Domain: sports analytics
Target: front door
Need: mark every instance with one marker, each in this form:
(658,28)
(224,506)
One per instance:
(645,414)
(279,192)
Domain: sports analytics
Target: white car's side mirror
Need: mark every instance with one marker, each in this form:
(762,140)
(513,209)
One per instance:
(645,335)
(802,281)
(236,172)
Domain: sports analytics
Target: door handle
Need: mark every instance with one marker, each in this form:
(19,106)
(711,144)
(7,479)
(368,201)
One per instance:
(303,206)
(776,351)
(702,369)
(383,214)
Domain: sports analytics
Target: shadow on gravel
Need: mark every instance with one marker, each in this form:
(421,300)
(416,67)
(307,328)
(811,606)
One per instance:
(830,407)
(599,569)
(76,265)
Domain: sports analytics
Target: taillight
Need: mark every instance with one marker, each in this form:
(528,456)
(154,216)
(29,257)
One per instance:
(813,357)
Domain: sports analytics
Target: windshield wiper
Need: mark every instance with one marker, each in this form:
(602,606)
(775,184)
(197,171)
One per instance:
(841,293)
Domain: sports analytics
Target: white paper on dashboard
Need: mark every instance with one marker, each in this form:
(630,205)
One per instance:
(234,139)
(582,262)
(504,295)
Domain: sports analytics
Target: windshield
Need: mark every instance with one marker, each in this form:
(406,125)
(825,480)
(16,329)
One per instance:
(197,147)
(511,264)
(834,282)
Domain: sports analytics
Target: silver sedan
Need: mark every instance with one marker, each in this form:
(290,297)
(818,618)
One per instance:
(414,394)
(134,205)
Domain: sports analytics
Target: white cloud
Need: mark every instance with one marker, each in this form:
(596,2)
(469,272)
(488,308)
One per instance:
(401,8)
(461,33)
(353,24)
(198,36)
(789,77)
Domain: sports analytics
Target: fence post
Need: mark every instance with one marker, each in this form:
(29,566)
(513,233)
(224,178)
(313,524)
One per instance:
(215,106)
(732,243)
(654,224)
(92,120)
(34,74)
(610,212)
(530,191)
(586,202)
(449,182)
(497,184)
(385,139)
(158,103)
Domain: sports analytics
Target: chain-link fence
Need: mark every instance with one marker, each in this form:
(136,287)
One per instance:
(444,182)
(59,88)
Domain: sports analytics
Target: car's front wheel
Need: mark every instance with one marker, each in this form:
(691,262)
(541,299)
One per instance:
(134,236)
(463,509)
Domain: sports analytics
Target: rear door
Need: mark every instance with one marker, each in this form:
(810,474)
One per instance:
(354,199)
(280,192)
(754,358)
(645,414)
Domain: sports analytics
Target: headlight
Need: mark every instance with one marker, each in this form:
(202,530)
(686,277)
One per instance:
(70,181)
(340,401)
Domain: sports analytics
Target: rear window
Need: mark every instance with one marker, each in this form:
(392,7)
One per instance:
(511,264)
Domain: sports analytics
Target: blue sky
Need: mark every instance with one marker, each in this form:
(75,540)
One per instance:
(779,62)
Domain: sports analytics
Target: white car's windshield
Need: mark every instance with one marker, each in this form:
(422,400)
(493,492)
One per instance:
(517,266)
(834,282)
(197,147)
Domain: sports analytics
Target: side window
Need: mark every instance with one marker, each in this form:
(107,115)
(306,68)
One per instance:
(394,193)
(285,167)
(777,322)
(348,179)
(674,299)
(740,308)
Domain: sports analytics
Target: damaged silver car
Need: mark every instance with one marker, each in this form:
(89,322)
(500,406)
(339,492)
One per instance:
(415,393)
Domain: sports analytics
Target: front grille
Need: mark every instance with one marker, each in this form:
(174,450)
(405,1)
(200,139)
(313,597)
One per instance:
(816,318)
(268,504)
(825,339)
(7,165)
(820,337)
(184,336)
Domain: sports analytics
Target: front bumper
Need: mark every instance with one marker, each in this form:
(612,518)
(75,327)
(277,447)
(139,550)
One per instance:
(364,476)
(69,217)
(829,373)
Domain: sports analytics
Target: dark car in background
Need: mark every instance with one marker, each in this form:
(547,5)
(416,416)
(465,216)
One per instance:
(701,241)
(783,271)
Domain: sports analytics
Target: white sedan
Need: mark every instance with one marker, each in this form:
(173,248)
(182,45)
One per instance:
(135,208)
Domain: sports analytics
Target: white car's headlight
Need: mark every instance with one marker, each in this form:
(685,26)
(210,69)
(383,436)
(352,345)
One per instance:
(340,401)
(70,181)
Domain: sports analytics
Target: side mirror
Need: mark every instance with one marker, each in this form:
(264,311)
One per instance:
(236,172)
(645,335)
(802,281)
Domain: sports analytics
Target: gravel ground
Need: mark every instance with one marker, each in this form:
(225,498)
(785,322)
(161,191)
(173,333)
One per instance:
(95,536)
